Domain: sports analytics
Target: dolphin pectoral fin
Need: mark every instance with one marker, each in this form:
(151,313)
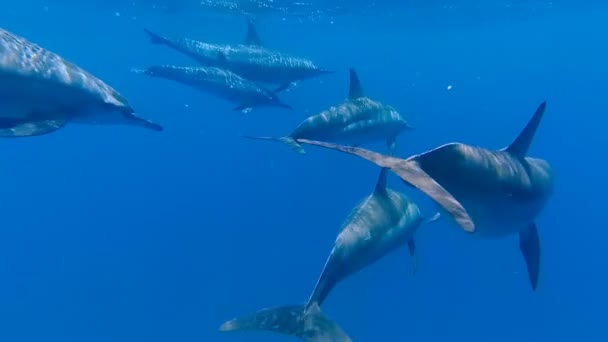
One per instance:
(21,128)
(221,57)
(391,145)
(309,325)
(433,218)
(529,244)
(283,87)
(243,108)
(410,172)
(411,246)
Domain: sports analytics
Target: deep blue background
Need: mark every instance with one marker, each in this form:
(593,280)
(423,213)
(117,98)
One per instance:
(123,234)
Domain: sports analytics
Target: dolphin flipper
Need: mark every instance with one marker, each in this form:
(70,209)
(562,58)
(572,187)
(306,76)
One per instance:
(309,325)
(411,246)
(529,244)
(14,129)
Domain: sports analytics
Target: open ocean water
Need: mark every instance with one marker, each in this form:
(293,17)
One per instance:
(117,233)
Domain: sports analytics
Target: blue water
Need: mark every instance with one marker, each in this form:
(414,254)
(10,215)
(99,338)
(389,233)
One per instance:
(124,234)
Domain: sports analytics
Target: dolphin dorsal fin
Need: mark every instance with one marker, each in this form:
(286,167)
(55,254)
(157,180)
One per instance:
(521,144)
(355,90)
(252,38)
(381,183)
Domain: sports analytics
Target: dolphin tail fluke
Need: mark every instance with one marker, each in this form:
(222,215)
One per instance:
(155,38)
(296,320)
(289,141)
(284,105)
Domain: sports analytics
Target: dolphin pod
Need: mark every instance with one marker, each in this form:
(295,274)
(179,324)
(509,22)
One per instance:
(249,59)
(382,222)
(491,193)
(40,92)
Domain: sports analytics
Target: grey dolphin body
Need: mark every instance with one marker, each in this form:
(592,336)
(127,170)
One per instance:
(358,120)
(491,193)
(381,223)
(41,92)
(249,59)
(219,82)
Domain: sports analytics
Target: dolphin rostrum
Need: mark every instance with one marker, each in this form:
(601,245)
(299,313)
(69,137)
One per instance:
(381,223)
(491,193)
(249,59)
(40,92)
(219,82)
(358,120)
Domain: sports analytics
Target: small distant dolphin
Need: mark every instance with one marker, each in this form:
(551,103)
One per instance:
(358,120)
(219,82)
(381,223)
(40,92)
(249,59)
(492,193)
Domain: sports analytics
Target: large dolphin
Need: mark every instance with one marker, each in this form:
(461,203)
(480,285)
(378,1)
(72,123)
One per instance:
(358,120)
(249,59)
(41,92)
(381,223)
(219,82)
(491,193)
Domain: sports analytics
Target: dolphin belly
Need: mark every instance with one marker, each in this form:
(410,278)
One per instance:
(498,216)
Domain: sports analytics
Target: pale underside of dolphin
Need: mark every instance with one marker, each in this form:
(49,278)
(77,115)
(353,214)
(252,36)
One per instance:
(487,192)
(358,120)
(219,82)
(41,92)
(381,223)
(249,59)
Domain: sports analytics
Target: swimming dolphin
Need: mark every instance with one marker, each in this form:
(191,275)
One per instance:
(491,193)
(358,120)
(249,59)
(381,223)
(219,82)
(40,92)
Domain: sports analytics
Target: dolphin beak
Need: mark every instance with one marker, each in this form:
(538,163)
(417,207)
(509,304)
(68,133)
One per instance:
(136,120)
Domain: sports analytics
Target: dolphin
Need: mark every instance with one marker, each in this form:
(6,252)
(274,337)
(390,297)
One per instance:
(491,193)
(357,120)
(381,223)
(219,82)
(249,59)
(40,92)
